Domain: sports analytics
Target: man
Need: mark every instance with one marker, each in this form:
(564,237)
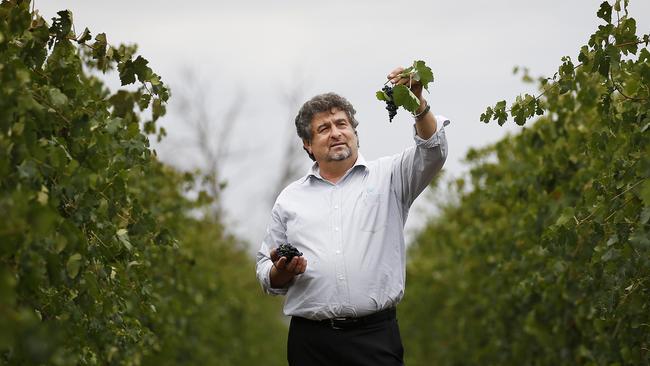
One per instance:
(347,216)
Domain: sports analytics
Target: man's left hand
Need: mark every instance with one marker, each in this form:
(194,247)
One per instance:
(396,79)
(425,125)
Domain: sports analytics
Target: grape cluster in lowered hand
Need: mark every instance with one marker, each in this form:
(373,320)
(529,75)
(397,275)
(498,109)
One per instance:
(288,251)
(390,105)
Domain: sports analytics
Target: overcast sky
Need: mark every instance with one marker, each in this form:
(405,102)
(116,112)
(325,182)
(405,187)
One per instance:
(263,48)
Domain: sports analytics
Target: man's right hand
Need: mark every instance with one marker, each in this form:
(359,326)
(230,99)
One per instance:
(282,272)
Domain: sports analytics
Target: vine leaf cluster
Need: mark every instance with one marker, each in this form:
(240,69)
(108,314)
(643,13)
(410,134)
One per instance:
(101,261)
(604,54)
(401,95)
(542,254)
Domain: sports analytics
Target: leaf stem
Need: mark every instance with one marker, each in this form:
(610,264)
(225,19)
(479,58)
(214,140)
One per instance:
(100,240)
(627,190)
(551,86)
(41,100)
(612,199)
(638,41)
(617,210)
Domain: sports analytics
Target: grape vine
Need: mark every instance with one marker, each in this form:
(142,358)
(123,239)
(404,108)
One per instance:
(101,262)
(541,254)
(401,95)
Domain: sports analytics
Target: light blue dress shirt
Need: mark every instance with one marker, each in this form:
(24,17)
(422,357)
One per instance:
(351,232)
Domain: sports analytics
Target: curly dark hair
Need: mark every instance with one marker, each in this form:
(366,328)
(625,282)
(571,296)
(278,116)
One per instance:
(322,103)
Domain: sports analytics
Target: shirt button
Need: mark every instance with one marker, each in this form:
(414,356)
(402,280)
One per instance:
(338,252)
(336,207)
(341,278)
(336,229)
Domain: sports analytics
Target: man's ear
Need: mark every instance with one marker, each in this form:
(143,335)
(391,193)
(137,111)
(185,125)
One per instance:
(306,145)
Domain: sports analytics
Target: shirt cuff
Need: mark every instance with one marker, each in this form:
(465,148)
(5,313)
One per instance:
(435,139)
(267,282)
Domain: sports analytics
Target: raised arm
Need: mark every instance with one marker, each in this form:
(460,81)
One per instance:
(414,168)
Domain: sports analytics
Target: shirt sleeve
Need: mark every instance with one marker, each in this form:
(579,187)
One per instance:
(414,168)
(275,234)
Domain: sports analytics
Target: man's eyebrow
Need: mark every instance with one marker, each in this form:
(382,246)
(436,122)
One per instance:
(323,124)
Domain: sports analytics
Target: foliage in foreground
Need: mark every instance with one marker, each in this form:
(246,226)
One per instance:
(100,262)
(542,256)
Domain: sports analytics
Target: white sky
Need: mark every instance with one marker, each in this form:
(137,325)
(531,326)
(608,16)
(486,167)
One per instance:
(263,47)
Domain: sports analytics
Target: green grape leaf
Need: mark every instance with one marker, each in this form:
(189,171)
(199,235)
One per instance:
(141,69)
(73,264)
(158,109)
(612,240)
(645,192)
(62,25)
(566,216)
(144,101)
(487,115)
(85,36)
(423,73)
(605,12)
(42,196)
(500,113)
(640,239)
(123,236)
(381,96)
(99,47)
(645,215)
(127,72)
(154,79)
(404,97)
(57,98)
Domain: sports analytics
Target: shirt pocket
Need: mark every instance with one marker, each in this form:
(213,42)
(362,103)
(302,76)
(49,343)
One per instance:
(293,230)
(372,219)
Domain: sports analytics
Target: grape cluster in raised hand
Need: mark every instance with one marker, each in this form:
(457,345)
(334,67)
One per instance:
(289,251)
(390,105)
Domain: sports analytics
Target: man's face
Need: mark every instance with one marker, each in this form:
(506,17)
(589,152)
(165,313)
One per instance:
(333,138)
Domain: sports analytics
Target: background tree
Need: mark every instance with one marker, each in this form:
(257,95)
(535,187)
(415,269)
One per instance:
(292,160)
(211,133)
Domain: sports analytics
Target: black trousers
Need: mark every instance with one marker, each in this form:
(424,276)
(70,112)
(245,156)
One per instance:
(313,343)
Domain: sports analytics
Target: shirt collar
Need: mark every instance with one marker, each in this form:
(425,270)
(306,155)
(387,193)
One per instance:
(314,170)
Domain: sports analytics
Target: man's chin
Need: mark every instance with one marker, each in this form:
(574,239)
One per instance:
(340,156)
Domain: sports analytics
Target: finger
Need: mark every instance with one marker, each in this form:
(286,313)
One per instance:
(395,72)
(274,255)
(411,84)
(400,81)
(303,265)
(291,266)
(298,269)
(405,79)
(281,263)
(394,75)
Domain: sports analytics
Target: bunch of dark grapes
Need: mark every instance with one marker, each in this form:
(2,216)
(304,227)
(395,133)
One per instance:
(390,105)
(289,251)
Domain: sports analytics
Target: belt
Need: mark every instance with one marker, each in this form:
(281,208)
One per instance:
(352,322)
